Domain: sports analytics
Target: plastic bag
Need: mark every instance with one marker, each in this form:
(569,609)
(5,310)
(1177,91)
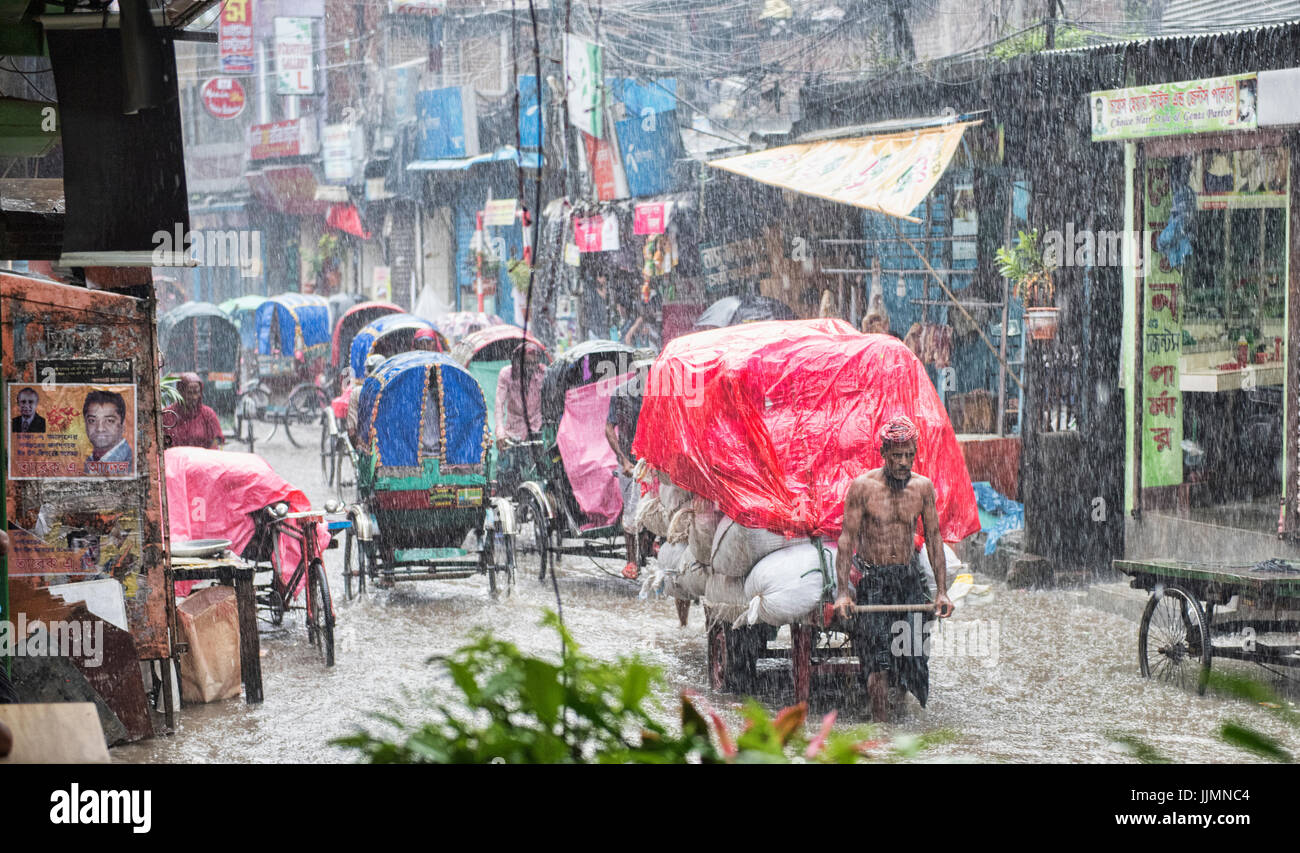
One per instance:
(210,671)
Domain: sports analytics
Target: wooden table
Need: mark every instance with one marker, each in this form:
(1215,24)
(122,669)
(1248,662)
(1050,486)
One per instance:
(240,575)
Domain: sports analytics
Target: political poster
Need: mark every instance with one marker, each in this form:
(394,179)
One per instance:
(72,431)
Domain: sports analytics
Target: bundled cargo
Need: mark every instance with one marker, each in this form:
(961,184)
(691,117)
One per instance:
(707,518)
(725,597)
(689,583)
(650,515)
(737,549)
(679,528)
(787,585)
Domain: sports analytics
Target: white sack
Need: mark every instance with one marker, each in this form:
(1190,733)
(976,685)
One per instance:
(688,583)
(679,527)
(673,498)
(736,548)
(786,585)
(707,518)
(672,556)
(650,516)
(721,590)
(951,565)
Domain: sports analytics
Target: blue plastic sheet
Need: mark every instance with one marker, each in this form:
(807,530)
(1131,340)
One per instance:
(1010,515)
(293,312)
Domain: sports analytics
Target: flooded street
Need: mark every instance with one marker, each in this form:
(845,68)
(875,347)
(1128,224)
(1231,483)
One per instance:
(1058,678)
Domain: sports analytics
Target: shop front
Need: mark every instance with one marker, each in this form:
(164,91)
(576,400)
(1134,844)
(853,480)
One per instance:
(1209,329)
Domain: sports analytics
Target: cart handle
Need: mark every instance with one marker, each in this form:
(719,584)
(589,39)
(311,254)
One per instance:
(893,608)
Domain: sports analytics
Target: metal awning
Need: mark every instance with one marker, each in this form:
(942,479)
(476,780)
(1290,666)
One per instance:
(529,160)
(888,173)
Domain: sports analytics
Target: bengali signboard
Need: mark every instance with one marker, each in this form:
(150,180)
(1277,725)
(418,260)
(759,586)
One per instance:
(1194,106)
(293,58)
(650,218)
(71,431)
(1162,342)
(223,97)
(597,233)
(585,85)
(280,139)
(236,37)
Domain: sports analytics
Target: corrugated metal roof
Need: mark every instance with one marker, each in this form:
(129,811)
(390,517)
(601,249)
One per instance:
(1223,27)
(1197,16)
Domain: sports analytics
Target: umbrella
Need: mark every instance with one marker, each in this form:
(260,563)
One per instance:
(734,310)
(458,324)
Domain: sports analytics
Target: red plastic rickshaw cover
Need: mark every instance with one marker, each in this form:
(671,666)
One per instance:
(772,421)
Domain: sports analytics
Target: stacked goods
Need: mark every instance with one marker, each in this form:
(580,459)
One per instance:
(736,548)
(787,585)
(703,530)
(689,583)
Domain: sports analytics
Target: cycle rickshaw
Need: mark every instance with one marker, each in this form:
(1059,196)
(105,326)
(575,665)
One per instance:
(267,522)
(198,337)
(423,480)
(551,516)
(293,338)
(353,320)
(486,352)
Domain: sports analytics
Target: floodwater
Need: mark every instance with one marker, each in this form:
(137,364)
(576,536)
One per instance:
(1026,677)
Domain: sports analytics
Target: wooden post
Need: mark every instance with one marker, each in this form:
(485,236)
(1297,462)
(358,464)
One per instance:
(249,647)
(801,658)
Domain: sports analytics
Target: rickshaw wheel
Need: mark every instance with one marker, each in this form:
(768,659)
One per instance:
(530,510)
(320,612)
(500,562)
(732,661)
(349,542)
(717,658)
(1174,640)
(250,410)
(306,404)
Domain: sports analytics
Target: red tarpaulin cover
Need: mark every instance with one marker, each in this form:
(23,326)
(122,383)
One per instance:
(210,494)
(772,421)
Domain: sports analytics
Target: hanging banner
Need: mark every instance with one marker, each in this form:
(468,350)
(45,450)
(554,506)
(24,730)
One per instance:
(584,84)
(236,37)
(597,233)
(293,57)
(649,145)
(1192,106)
(604,167)
(890,173)
(500,211)
(71,432)
(1162,343)
(381,284)
(650,218)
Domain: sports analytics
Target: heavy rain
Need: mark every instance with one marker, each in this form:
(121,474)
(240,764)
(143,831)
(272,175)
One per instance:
(702,381)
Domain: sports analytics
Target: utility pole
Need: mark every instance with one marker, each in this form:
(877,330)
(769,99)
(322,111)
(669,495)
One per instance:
(1050,41)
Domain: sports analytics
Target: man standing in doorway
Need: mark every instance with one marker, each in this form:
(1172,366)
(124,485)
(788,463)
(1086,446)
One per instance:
(877,564)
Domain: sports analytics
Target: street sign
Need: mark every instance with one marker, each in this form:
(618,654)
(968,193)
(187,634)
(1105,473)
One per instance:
(223,97)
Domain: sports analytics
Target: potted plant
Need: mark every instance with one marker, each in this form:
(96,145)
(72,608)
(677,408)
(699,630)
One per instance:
(1031,278)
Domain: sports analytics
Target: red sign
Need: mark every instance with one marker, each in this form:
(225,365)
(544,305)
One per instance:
(236,38)
(600,156)
(278,139)
(650,218)
(223,97)
(597,233)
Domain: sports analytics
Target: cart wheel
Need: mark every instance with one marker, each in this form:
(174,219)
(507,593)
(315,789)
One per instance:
(533,532)
(306,405)
(250,417)
(500,560)
(327,452)
(320,612)
(1174,641)
(718,658)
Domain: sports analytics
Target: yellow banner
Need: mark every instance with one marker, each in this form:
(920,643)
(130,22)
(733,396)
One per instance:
(889,173)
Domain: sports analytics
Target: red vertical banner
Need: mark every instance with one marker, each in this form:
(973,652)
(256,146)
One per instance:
(236,37)
(601,159)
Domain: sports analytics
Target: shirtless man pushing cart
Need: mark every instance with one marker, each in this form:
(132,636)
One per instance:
(876,565)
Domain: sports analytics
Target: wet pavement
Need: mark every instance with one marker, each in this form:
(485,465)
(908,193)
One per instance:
(1019,677)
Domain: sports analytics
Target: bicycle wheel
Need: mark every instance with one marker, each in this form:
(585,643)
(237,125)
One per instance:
(320,612)
(533,531)
(1174,640)
(251,423)
(306,405)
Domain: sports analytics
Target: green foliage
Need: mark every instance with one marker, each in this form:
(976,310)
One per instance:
(519,709)
(1026,265)
(1035,41)
(169,390)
